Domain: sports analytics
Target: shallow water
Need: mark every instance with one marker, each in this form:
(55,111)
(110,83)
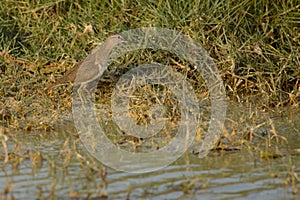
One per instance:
(63,169)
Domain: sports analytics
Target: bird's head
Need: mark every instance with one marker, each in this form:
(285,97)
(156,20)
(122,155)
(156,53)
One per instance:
(115,39)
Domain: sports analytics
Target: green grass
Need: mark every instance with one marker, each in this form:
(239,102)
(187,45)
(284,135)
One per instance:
(255,44)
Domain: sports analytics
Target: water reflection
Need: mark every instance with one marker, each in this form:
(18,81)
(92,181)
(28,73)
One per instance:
(55,165)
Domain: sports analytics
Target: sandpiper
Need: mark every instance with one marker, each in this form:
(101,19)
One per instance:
(90,68)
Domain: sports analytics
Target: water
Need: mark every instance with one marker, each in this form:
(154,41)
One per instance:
(55,165)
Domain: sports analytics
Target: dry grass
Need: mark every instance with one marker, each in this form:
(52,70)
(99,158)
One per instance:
(254,44)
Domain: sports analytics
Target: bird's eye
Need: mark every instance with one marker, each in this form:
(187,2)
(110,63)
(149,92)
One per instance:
(120,37)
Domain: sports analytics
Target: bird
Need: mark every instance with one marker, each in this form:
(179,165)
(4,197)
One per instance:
(91,68)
